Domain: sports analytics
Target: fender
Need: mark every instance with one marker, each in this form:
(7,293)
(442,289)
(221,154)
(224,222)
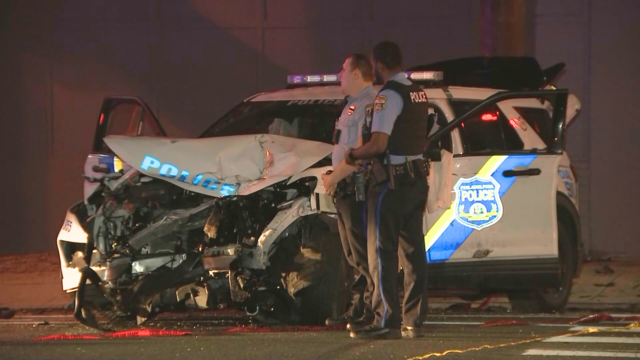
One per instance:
(258,258)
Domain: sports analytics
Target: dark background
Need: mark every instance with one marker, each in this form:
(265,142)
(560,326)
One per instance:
(193,60)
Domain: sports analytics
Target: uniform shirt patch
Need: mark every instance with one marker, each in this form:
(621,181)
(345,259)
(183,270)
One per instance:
(418,96)
(380,103)
(368,110)
(351,109)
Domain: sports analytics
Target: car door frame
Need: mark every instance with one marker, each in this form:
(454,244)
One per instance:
(111,102)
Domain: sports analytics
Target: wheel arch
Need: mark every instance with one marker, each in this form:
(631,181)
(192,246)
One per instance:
(568,215)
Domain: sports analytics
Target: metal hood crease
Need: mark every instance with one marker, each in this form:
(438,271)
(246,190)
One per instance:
(232,165)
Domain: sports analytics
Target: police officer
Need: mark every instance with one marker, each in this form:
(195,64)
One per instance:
(396,198)
(356,78)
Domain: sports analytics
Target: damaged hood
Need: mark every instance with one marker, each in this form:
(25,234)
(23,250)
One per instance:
(220,166)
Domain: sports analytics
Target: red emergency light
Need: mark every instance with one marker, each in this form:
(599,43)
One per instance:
(489,117)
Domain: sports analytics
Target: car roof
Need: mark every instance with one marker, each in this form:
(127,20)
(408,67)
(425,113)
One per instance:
(333,92)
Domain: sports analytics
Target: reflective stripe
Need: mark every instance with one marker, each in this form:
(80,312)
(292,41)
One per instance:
(447,217)
(384,302)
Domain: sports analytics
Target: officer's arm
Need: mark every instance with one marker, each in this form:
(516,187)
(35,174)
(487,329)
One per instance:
(387,107)
(343,169)
(377,145)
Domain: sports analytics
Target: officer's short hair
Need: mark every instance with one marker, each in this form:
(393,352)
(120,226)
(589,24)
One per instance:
(388,54)
(360,62)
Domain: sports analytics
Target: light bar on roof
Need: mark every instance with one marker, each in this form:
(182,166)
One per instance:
(335,78)
(313,79)
(425,75)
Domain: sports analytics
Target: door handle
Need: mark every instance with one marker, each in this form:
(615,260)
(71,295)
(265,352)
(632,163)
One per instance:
(526,172)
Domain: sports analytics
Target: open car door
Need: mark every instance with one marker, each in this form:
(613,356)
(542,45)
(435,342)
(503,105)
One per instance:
(119,115)
(502,211)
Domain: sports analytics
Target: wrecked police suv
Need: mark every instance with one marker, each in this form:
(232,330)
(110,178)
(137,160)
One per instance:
(236,218)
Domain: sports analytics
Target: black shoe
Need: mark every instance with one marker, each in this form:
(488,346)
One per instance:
(341,320)
(375,332)
(410,332)
(358,324)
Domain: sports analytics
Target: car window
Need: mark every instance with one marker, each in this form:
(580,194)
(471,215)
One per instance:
(539,120)
(437,120)
(149,126)
(487,131)
(302,119)
(124,119)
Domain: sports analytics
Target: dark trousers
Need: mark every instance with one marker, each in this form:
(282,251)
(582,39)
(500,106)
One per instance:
(352,224)
(395,231)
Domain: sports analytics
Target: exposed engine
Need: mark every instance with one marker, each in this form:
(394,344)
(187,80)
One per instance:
(159,242)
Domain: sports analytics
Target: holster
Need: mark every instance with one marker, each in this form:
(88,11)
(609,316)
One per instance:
(378,172)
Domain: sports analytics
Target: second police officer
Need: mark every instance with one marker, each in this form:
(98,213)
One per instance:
(396,199)
(356,82)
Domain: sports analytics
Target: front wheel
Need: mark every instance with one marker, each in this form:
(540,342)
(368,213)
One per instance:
(327,295)
(550,300)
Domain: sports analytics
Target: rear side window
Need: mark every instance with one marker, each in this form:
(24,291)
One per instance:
(487,131)
(539,120)
(124,119)
(438,120)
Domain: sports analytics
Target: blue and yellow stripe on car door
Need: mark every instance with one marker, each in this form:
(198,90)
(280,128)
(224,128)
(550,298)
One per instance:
(446,235)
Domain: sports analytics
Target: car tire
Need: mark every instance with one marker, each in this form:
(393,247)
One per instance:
(550,300)
(327,296)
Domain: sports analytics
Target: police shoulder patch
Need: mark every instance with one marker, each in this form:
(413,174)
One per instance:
(380,103)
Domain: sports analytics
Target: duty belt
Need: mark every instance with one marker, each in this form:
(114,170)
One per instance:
(418,166)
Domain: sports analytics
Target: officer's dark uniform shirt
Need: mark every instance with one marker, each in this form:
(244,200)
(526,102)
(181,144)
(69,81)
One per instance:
(350,122)
(387,106)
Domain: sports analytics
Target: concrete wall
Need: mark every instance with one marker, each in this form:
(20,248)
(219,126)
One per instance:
(193,60)
(190,60)
(600,42)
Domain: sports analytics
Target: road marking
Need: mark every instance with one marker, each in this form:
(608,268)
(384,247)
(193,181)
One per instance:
(593,339)
(605,328)
(527,316)
(541,352)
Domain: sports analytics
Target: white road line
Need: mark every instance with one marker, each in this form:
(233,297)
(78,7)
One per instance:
(603,328)
(593,339)
(600,354)
(559,316)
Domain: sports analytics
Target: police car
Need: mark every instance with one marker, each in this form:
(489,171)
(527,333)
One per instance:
(502,214)
(510,222)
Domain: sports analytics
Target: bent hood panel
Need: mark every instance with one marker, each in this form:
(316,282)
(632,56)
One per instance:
(220,166)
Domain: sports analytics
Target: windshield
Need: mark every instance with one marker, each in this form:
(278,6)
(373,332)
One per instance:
(302,119)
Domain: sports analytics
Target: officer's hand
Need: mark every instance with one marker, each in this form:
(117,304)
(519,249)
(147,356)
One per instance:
(329,188)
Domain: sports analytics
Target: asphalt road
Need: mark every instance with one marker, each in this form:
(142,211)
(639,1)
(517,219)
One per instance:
(461,336)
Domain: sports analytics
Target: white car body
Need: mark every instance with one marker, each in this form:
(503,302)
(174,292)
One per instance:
(523,226)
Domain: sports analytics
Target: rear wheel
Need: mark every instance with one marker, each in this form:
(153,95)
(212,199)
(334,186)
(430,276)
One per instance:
(550,300)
